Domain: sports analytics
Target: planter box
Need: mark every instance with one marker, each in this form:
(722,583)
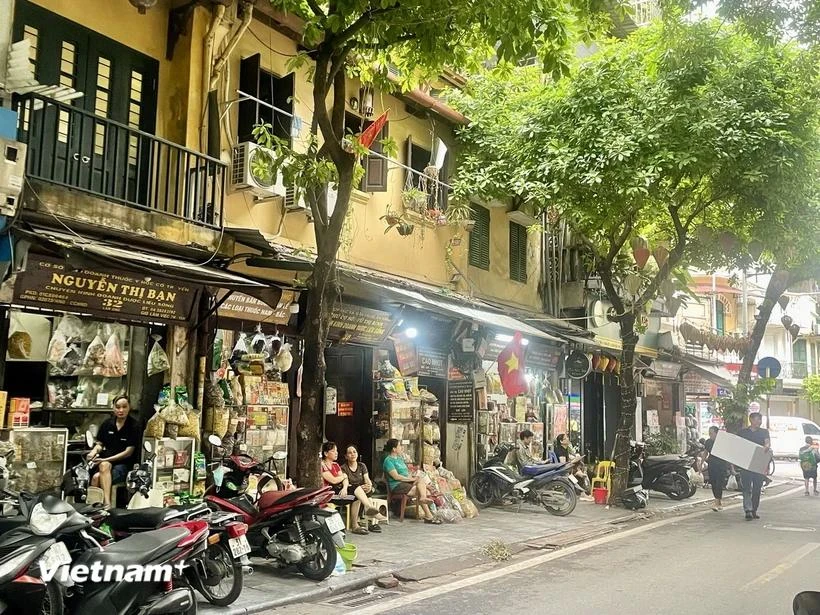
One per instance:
(741,453)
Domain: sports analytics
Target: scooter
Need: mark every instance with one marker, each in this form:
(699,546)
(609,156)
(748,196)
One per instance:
(549,485)
(668,474)
(289,528)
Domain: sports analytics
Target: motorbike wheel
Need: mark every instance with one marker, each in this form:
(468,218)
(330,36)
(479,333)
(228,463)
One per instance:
(482,490)
(225,576)
(321,565)
(558,497)
(52,600)
(680,488)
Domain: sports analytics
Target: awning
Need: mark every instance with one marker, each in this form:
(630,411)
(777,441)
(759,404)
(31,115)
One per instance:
(501,321)
(110,257)
(716,374)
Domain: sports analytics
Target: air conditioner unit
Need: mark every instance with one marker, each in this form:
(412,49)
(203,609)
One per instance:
(12,168)
(298,203)
(250,166)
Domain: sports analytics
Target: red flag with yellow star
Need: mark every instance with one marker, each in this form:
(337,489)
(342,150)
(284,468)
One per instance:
(511,367)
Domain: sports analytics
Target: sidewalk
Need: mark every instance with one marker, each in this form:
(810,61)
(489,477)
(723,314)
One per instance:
(423,551)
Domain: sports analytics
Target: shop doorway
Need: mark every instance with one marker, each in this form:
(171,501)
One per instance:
(349,371)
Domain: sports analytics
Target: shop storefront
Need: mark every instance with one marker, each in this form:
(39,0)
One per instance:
(85,323)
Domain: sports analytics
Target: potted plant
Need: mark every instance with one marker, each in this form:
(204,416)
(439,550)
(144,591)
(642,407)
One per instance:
(460,213)
(414,199)
(399,223)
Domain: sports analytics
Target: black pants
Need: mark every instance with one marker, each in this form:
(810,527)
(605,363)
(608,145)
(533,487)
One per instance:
(717,478)
(752,484)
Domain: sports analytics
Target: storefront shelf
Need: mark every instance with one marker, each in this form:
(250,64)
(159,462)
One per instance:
(100,409)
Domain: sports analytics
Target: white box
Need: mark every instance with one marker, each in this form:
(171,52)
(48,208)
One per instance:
(741,453)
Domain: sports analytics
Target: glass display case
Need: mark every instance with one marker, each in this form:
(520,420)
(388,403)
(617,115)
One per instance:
(401,420)
(39,457)
(173,467)
(267,433)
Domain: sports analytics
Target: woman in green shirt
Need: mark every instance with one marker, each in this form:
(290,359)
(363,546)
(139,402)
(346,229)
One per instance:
(400,481)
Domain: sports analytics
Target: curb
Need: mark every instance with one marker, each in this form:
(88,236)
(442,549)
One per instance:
(354,582)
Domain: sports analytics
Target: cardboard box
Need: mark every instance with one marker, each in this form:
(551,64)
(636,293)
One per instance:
(741,453)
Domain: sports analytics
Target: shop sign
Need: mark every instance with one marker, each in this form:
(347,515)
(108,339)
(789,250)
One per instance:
(240,306)
(344,408)
(460,401)
(694,384)
(358,324)
(578,365)
(330,400)
(406,356)
(53,284)
(432,362)
(455,374)
(542,357)
(665,369)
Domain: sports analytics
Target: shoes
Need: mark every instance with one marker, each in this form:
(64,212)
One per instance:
(807,493)
(375,529)
(755,516)
(815,492)
(749,516)
(360,530)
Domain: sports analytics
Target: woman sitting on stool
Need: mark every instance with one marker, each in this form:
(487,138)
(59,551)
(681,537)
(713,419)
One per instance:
(359,479)
(335,478)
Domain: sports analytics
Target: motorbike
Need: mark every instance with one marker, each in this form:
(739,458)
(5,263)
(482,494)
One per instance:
(668,474)
(289,528)
(549,485)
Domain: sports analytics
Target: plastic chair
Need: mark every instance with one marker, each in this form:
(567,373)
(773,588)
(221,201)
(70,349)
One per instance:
(603,475)
(403,499)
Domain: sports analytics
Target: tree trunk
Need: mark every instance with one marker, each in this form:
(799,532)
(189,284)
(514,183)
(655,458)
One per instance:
(323,289)
(629,402)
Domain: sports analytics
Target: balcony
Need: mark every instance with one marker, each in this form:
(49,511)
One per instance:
(795,370)
(72,148)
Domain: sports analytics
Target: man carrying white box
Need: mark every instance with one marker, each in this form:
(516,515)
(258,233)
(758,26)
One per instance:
(753,481)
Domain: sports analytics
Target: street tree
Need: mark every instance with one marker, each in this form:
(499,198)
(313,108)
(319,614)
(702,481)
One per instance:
(678,142)
(363,38)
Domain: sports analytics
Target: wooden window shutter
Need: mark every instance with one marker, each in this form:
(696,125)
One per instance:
(375,176)
(479,251)
(248,109)
(518,252)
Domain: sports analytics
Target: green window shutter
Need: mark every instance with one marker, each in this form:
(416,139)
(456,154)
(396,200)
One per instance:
(518,252)
(479,253)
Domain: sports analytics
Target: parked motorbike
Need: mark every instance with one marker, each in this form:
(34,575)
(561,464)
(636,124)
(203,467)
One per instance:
(668,474)
(290,528)
(549,485)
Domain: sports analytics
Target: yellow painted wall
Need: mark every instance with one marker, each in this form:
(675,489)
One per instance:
(420,256)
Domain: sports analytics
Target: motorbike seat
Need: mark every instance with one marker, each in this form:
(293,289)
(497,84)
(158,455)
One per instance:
(540,468)
(660,459)
(137,549)
(140,518)
(271,498)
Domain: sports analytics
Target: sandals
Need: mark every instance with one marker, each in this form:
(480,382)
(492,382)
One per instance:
(433,521)
(360,530)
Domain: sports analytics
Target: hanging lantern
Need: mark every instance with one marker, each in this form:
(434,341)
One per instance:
(596,361)
(640,251)
(755,249)
(613,363)
(604,363)
(786,321)
(142,5)
(617,366)
(794,330)
(661,254)
(783,302)
(728,242)
(632,283)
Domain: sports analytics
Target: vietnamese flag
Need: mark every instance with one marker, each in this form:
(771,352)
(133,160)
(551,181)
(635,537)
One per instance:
(511,367)
(371,132)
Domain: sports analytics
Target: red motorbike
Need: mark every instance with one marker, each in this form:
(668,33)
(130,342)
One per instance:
(289,528)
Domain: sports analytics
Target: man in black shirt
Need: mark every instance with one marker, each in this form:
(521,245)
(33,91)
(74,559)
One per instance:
(117,440)
(752,481)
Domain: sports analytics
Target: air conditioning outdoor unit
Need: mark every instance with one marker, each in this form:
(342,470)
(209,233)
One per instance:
(252,170)
(298,203)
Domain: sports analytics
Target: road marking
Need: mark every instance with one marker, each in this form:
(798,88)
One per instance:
(782,567)
(784,528)
(435,592)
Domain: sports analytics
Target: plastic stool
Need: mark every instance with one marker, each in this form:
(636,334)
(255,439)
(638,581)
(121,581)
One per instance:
(382,504)
(603,475)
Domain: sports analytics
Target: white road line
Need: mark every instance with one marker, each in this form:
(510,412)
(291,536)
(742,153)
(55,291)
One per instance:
(435,592)
(782,567)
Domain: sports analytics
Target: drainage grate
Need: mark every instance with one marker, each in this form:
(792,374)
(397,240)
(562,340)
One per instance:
(359,598)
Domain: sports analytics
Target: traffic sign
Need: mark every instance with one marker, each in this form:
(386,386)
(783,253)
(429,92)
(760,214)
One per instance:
(768,367)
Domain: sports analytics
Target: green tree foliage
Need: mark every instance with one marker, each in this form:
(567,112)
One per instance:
(363,38)
(694,136)
(811,388)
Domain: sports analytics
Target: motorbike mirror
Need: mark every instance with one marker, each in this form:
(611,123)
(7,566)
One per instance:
(215,440)
(89,438)
(280,455)
(148,447)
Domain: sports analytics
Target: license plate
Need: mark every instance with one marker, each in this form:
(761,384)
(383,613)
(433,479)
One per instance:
(57,555)
(239,546)
(334,523)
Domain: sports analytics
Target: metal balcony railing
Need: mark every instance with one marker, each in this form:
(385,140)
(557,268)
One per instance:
(796,369)
(76,149)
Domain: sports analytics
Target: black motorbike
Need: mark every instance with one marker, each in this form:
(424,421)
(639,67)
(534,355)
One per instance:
(550,485)
(668,474)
